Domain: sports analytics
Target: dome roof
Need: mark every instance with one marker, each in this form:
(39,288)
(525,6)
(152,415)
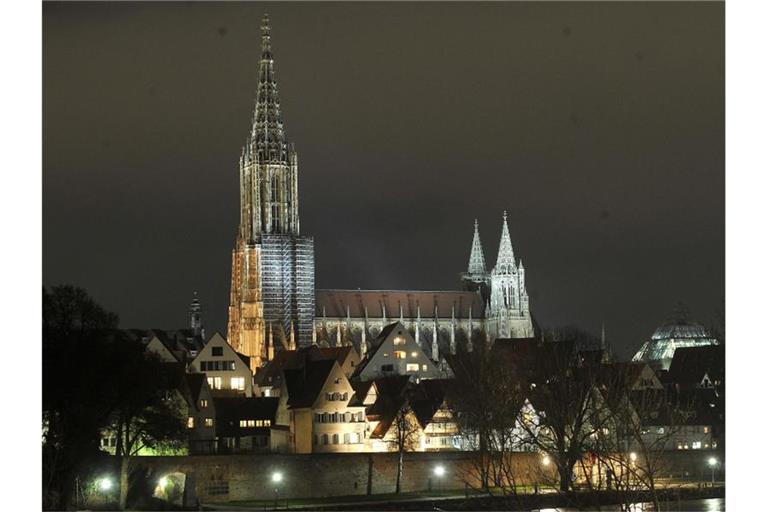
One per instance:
(680,326)
(680,331)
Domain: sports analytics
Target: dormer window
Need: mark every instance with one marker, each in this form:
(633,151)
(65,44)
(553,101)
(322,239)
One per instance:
(217,351)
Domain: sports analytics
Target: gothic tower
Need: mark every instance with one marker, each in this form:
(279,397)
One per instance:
(196,318)
(508,314)
(273,268)
(476,277)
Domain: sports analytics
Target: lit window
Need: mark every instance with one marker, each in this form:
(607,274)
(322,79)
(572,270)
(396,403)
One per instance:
(424,367)
(696,445)
(203,404)
(706,430)
(414,354)
(208,422)
(267,423)
(214,382)
(190,422)
(412,367)
(399,340)
(251,423)
(237,383)
(243,423)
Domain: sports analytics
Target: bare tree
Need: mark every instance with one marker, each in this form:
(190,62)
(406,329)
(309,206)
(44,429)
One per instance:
(562,390)
(404,435)
(643,422)
(486,398)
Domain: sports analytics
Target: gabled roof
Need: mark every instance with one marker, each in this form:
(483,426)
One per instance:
(335,303)
(427,397)
(305,384)
(690,364)
(391,397)
(195,383)
(271,374)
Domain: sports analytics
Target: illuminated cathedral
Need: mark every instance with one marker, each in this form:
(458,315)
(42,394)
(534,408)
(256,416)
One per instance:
(273,301)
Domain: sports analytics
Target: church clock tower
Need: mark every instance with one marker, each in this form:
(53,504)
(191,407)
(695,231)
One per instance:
(273,270)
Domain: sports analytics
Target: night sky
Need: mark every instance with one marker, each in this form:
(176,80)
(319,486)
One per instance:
(599,127)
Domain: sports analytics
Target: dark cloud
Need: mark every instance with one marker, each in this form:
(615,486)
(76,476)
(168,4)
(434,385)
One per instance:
(410,120)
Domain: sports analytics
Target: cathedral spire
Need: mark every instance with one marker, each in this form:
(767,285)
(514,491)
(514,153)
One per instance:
(267,142)
(476,257)
(505,261)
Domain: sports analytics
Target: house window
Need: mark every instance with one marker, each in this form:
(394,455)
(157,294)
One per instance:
(203,404)
(706,430)
(399,340)
(214,382)
(335,438)
(399,354)
(325,438)
(387,367)
(208,422)
(424,367)
(696,445)
(217,351)
(191,422)
(412,367)
(354,438)
(243,423)
(237,383)
(315,439)
(346,438)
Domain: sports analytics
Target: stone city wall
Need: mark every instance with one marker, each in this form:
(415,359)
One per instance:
(221,478)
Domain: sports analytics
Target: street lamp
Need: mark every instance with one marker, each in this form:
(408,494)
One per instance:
(277,477)
(712,461)
(439,472)
(105,484)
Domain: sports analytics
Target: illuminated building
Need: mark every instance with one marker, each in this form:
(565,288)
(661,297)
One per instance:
(677,332)
(273,270)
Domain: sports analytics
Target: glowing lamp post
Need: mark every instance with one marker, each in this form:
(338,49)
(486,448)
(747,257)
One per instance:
(277,478)
(712,461)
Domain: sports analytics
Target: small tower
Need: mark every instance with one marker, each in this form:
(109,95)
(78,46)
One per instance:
(476,277)
(196,318)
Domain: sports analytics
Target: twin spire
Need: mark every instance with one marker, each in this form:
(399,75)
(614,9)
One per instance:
(505,261)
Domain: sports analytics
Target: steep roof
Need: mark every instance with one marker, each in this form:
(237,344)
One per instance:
(427,397)
(690,364)
(305,384)
(271,374)
(335,302)
(195,383)
(391,397)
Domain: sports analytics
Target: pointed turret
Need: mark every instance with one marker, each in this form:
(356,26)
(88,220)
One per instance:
(505,261)
(476,256)
(476,276)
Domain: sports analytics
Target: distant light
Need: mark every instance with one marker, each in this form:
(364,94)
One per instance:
(277,477)
(105,483)
(163,482)
(545,460)
(439,470)
(712,461)
(633,456)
